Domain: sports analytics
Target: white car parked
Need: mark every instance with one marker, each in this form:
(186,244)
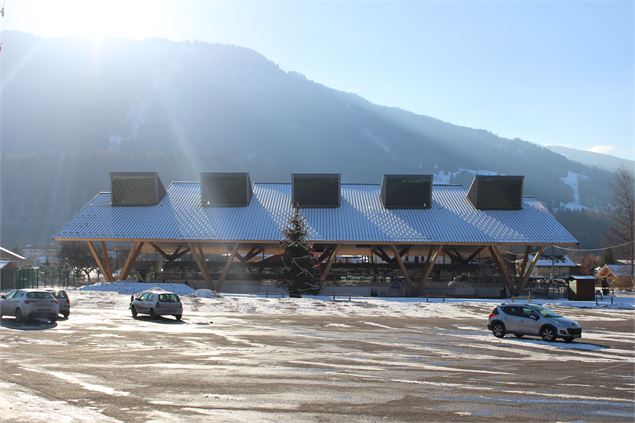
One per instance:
(29,303)
(531,319)
(156,303)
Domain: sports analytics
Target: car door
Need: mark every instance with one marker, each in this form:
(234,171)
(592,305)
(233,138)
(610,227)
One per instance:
(10,303)
(529,321)
(143,303)
(5,304)
(512,318)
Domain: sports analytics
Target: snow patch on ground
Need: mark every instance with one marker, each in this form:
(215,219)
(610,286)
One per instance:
(26,405)
(205,293)
(124,287)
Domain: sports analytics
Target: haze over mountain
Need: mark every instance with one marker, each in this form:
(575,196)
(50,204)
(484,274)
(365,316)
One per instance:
(589,158)
(72,111)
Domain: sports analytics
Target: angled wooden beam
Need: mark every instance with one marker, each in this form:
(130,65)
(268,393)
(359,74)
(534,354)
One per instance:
(106,261)
(250,254)
(326,254)
(98,261)
(474,254)
(525,276)
(524,262)
(455,254)
(228,264)
(433,255)
(178,253)
(379,252)
(132,256)
(199,258)
(329,263)
(500,264)
(399,261)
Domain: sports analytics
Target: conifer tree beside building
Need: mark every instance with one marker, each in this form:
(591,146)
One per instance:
(299,266)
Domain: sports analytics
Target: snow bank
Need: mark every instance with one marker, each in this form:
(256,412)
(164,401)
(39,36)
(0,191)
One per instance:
(134,287)
(205,293)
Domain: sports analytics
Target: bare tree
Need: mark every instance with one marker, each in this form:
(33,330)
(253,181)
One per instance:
(77,256)
(622,232)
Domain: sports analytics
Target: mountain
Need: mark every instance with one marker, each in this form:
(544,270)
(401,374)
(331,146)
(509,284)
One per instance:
(589,158)
(73,110)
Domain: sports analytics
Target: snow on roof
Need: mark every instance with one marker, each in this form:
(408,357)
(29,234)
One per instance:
(620,269)
(553,261)
(360,218)
(3,263)
(5,252)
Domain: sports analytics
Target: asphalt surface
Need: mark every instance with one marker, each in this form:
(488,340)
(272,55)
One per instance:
(103,365)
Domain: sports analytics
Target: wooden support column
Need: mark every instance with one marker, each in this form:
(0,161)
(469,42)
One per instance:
(199,258)
(107,266)
(329,263)
(433,255)
(525,277)
(228,264)
(500,264)
(524,262)
(98,262)
(132,256)
(404,271)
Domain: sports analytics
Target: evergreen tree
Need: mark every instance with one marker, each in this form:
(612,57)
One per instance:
(299,266)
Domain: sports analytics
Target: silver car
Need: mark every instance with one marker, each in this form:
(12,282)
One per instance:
(156,303)
(29,303)
(531,319)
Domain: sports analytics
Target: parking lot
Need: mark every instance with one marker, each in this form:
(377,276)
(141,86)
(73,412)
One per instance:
(256,359)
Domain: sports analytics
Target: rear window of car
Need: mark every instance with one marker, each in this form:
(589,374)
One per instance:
(39,295)
(168,298)
(60,294)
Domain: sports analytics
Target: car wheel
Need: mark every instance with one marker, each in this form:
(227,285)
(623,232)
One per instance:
(133,310)
(152,315)
(548,333)
(177,316)
(18,315)
(68,313)
(568,339)
(53,319)
(518,335)
(498,329)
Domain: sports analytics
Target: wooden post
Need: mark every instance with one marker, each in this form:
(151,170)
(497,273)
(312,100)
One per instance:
(500,263)
(404,271)
(433,254)
(100,265)
(199,258)
(525,277)
(107,266)
(228,264)
(329,263)
(132,256)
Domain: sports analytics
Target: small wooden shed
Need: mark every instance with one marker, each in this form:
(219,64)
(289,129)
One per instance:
(581,288)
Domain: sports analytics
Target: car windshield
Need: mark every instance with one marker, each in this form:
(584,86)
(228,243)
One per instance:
(168,298)
(546,312)
(39,295)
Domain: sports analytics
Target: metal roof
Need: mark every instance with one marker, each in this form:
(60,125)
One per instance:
(361,218)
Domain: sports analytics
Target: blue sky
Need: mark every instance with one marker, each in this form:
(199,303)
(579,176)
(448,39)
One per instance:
(551,72)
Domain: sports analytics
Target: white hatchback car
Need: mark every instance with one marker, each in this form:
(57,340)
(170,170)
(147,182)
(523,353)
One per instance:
(29,303)
(531,319)
(156,303)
